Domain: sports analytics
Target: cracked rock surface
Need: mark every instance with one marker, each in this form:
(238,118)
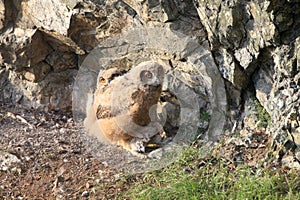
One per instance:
(253,44)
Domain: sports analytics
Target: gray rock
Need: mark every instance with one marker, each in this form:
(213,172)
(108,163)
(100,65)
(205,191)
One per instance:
(40,95)
(2,14)
(61,61)
(247,43)
(85,194)
(161,11)
(71,3)
(38,72)
(290,162)
(48,14)
(276,89)
(8,161)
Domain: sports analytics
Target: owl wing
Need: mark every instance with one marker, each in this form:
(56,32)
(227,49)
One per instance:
(108,109)
(103,112)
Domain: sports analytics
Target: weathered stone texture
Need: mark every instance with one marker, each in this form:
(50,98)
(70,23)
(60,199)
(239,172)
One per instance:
(41,41)
(254,44)
(240,30)
(50,14)
(2,14)
(277,88)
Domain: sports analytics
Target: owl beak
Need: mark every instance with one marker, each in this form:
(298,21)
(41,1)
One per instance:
(107,82)
(153,87)
(156,82)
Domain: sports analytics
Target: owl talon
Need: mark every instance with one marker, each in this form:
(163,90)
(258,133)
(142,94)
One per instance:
(137,146)
(163,134)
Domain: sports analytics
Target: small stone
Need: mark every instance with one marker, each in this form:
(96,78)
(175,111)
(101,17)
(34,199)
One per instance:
(62,130)
(245,133)
(97,181)
(295,165)
(76,151)
(105,163)
(290,162)
(37,72)
(7,161)
(117,176)
(85,194)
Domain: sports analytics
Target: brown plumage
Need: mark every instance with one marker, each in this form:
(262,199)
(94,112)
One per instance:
(124,105)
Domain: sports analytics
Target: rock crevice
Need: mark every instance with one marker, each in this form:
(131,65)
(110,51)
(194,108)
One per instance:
(254,44)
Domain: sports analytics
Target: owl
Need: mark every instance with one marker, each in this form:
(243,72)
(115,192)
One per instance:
(125,105)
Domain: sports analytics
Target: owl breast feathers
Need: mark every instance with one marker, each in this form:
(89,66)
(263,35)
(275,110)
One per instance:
(125,105)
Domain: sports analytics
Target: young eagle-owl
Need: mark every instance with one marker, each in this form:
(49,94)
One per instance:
(125,105)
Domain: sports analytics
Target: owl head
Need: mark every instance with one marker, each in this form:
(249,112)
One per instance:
(106,76)
(151,73)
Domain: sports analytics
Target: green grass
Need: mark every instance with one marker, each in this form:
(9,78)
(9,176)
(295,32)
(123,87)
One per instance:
(205,116)
(192,178)
(262,114)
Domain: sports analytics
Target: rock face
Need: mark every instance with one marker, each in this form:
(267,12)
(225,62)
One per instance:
(254,44)
(43,43)
(277,83)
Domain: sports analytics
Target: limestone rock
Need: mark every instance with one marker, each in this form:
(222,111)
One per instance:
(40,95)
(291,162)
(251,44)
(2,14)
(71,3)
(229,69)
(60,42)
(20,48)
(237,31)
(61,61)
(91,23)
(277,86)
(8,161)
(37,72)
(40,44)
(162,11)
(48,14)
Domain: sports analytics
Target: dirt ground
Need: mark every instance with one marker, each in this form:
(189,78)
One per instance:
(42,156)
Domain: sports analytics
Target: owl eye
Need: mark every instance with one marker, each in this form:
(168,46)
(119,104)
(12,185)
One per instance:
(148,74)
(102,80)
